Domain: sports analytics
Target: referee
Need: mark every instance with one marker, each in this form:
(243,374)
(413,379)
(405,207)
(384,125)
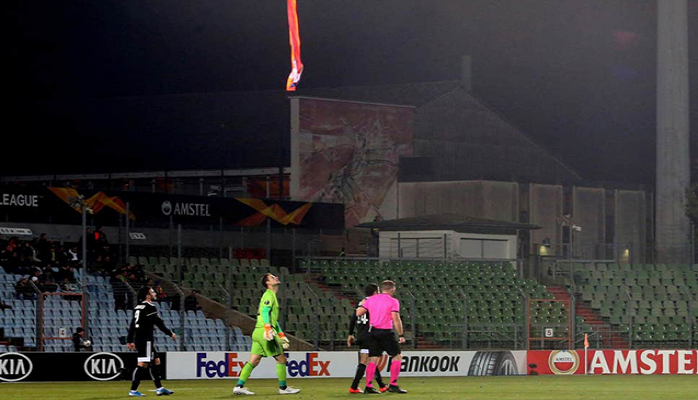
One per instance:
(384,315)
(140,338)
(360,324)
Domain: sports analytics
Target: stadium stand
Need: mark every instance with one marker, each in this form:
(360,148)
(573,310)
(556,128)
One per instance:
(655,304)
(108,324)
(447,303)
(444,304)
(312,313)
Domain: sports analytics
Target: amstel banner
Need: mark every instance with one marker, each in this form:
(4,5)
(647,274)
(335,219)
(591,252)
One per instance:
(613,362)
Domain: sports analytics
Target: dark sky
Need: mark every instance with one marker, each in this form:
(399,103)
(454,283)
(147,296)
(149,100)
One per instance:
(577,75)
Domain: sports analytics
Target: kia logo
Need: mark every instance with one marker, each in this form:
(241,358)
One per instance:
(166,207)
(103,366)
(14,367)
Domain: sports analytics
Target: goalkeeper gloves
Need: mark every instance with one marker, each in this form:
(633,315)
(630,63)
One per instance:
(285,343)
(268,332)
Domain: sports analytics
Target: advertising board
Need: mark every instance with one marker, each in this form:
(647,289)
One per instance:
(220,365)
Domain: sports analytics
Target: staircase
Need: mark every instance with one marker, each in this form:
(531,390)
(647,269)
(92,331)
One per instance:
(337,292)
(591,318)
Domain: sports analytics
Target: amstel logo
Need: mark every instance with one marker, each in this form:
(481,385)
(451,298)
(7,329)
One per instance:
(563,362)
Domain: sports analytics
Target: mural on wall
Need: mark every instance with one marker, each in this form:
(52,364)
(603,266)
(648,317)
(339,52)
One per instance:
(349,153)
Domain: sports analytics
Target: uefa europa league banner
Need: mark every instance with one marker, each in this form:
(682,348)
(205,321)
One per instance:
(62,206)
(613,362)
(220,365)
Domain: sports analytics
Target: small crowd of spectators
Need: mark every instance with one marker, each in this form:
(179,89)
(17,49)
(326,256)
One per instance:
(43,264)
(50,267)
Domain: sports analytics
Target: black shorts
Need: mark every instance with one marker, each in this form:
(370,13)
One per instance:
(381,340)
(362,342)
(146,351)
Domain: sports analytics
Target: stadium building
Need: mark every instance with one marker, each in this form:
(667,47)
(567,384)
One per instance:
(497,245)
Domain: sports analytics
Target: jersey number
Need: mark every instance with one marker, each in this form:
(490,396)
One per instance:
(136,315)
(362,319)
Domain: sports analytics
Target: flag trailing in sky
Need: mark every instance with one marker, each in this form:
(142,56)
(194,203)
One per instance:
(295,40)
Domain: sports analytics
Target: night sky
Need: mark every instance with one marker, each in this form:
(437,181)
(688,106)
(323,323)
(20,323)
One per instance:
(576,75)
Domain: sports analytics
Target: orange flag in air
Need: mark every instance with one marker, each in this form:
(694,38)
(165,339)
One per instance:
(586,340)
(295,41)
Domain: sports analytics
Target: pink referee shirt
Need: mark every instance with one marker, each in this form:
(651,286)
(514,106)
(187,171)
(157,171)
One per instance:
(380,310)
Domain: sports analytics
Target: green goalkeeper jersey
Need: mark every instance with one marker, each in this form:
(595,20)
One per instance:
(268,312)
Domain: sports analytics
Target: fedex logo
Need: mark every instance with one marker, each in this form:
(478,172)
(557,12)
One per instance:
(229,366)
(308,367)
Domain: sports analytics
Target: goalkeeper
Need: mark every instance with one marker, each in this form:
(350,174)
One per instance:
(268,340)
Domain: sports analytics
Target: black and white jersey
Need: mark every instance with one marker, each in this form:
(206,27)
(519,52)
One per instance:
(145,317)
(360,324)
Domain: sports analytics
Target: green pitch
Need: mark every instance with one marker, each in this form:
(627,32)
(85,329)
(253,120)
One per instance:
(494,388)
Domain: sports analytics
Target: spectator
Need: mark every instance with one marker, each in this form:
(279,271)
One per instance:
(135,274)
(162,296)
(68,287)
(25,263)
(50,268)
(43,248)
(14,241)
(50,284)
(62,255)
(51,256)
(107,264)
(9,259)
(38,276)
(100,238)
(78,341)
(97,265)
(24,289)
(65,272)
(119,274)
(30,253)
(191,303)
(73,254)
(44,282)
(6,254)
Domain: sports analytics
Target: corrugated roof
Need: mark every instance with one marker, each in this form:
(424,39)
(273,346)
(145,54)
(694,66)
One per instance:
(451,222)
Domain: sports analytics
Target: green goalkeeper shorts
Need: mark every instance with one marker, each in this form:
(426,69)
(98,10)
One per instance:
(265,348)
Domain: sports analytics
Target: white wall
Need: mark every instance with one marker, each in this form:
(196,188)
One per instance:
(430,244)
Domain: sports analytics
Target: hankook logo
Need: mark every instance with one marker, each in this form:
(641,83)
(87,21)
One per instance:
(166,207)
(14,367)
(103,366)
